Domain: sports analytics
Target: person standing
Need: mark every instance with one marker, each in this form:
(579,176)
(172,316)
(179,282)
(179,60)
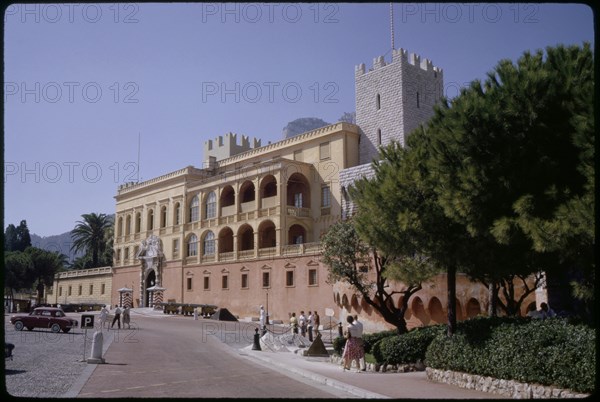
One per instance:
(117,318)
(126,317)
(261,317)
(361,342)
(103,316)
(294,323)
(302,323)
(352,349)
(317,323)
(309,322)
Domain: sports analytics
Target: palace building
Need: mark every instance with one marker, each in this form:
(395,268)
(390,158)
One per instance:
(244,229)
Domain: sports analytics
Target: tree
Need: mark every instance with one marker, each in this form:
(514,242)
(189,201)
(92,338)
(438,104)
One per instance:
(17,238)
(10,238)
(23,237)
(514,158)
(45,264)
(352,261)
(89,235)
(17,269)
(348,117)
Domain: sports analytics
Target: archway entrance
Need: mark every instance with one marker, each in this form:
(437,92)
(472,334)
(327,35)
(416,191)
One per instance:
(150,281)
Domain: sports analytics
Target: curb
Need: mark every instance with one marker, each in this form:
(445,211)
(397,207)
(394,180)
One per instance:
(361,393)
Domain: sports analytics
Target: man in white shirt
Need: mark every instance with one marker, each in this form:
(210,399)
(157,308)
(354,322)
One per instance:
(358,333)
(310,326)
(302,323)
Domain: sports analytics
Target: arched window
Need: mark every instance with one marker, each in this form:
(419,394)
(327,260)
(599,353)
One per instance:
(177,213)
(209,243)
(151,219)
(163,217)
(194,209)
(138,222)
(211,205)
(120,227)
(192,246)
(379,136)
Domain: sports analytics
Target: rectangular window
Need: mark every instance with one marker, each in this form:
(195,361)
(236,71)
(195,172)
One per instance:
(80,290)
(126,254)
(206,283)
(225,282)
(189,283)
(69,293)
(266,280)
(244,281)
(325,197)
(118,254)
(103,288)
(289,278)
(60,290)
(312,277)
(324,151)
(91,289)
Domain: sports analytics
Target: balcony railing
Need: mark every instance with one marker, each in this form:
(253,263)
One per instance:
(300,212)
(228,256)
(269,202)
(267,251)
(208,258)
(228,210)
(268,211)
(248,206)
(244,254)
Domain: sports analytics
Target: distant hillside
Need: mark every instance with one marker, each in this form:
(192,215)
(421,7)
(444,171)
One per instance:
(302,125)
(61,243)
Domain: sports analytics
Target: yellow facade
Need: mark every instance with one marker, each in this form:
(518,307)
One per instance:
(86,286)
(257,212)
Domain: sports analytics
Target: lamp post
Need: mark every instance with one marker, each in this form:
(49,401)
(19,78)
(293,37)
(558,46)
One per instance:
(267,323)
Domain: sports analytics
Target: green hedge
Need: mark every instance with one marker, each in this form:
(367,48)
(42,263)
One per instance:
(369,339)
(406,348)
(549,352)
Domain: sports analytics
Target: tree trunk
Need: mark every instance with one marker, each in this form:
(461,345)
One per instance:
(493,299)
(451,300)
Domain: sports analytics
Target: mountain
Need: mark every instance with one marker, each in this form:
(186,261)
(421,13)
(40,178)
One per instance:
(302,125)
(61,243)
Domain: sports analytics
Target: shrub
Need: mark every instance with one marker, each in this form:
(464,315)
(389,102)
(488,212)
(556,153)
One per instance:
(338,345)
(549,352)
(406,348)
(372,339)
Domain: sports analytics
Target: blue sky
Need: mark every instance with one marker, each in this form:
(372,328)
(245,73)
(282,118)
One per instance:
(82,81)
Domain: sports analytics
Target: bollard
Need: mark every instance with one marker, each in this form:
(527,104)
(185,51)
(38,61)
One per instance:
(256,344)
(96,352)
(340,331)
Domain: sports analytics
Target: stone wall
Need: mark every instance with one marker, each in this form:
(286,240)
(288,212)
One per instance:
(510,388)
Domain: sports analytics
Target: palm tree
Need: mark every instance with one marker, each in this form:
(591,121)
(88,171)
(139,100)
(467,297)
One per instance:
(88,235)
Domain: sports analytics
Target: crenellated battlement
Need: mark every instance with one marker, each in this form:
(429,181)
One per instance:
(399,56)
(226,146)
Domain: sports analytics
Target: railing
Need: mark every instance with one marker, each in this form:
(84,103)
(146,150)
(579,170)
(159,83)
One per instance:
(244,216)
(244,254)
(268,211)
(226,220)
(228,256)
(248,206)
(84,272)
(208,258)
(192,259)
(228,210)
(269,202)
(291,249)
(267,251)
(300,212)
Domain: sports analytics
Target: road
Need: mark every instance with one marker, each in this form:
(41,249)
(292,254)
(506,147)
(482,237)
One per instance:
(177,357)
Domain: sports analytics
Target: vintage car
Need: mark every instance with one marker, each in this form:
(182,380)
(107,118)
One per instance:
(44,317)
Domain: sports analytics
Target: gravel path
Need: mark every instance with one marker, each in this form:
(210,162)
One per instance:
(45,364)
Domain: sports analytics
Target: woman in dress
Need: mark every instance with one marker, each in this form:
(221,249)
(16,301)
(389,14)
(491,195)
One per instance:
(126,317)
(353,349)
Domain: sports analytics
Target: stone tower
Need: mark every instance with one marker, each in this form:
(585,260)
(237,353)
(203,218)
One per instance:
(393,98)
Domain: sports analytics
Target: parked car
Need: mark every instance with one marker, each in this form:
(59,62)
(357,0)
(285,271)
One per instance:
(44,317)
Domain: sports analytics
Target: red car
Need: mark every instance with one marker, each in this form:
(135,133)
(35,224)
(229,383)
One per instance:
(44,317)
